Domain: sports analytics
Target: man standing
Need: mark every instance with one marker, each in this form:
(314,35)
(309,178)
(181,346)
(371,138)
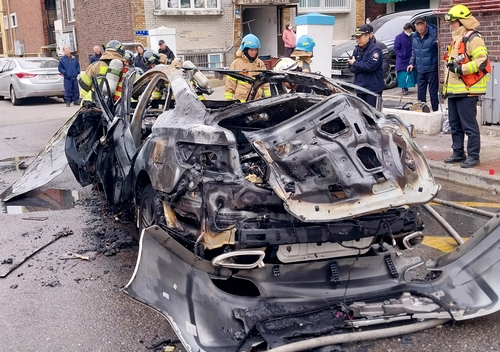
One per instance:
(289,39)
(69,68)
(164,49)
(465,80)
(424,57)
(366,64)
(97,54)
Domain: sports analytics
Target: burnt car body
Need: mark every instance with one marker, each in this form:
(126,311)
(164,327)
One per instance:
(275,220)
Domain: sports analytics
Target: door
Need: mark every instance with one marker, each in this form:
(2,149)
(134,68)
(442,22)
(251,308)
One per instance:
(5,77)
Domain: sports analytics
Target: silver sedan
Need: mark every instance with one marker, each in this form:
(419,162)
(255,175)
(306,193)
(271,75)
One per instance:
(30,77)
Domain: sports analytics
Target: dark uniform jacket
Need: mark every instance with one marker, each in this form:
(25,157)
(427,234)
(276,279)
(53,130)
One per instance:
(170,54)
(69,67)
(367,69)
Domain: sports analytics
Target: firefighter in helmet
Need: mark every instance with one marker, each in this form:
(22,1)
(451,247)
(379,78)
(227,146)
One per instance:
(304,52)
(247,62)
(466,73)
(110,64)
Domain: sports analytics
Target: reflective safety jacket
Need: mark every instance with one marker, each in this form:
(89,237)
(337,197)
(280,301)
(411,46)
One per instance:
(239,90)
(477,53)
(97,68)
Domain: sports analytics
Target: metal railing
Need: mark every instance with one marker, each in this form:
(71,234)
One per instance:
(324,5)
(208,59)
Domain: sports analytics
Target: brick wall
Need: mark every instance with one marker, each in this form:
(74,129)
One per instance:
(139,20)
(196,32)
(99,21)
(360,12)
(488,28)
(31,24)
(373,10)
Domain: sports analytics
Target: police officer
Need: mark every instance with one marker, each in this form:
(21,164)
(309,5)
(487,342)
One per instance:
(247,61)
(366,64)
(465,80)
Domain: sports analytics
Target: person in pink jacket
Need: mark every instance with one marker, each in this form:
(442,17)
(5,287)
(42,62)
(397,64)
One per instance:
(289,39)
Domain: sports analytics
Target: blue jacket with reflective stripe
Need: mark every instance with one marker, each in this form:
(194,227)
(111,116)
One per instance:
(368,67)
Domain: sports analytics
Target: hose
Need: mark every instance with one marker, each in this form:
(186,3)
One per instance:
(444,223)
(465,208)
(359,336)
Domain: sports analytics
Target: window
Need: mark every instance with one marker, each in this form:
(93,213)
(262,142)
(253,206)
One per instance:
(13,20)
(189,4)
(328,6)
(70,8)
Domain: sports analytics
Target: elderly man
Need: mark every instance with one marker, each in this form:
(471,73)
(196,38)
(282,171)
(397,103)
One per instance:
(97,54)
(70,68)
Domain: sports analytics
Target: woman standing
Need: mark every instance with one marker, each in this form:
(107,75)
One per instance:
(289,39)
(402,47)
(138,60)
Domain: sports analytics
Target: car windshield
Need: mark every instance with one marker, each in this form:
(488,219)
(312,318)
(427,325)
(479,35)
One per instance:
(49,63)
(390,27)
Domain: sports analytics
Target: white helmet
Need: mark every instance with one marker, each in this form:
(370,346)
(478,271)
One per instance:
(285,64)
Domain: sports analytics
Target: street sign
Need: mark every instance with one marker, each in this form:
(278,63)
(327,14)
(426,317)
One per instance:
(143,32)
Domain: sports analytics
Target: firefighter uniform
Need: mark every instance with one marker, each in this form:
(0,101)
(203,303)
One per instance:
(100,68)
(304,52)
(465,80)
(239,90)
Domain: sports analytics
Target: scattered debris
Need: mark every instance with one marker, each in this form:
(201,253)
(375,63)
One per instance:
(406,340)
(166,345)
(63,233)
(52,283)
(14,286)
(7,261)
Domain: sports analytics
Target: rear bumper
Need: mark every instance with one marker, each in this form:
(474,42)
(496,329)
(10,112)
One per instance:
(25,89)
(172,280)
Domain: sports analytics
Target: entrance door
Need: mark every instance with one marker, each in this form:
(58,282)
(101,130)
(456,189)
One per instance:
(262,22)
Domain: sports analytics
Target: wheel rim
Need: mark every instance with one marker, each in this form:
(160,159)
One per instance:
(12,95)
(148,216)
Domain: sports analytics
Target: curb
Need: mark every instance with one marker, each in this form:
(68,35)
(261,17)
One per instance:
(468,177)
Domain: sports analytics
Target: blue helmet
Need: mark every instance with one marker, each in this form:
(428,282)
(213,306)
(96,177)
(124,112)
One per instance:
(250,42)
(305,43)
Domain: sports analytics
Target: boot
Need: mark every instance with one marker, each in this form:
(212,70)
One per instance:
(455,158)
(470,162)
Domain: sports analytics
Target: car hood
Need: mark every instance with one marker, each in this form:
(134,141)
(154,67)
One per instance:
(339,50)
(340,159)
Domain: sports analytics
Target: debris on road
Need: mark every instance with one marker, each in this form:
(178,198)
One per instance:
(63,233)
(14,286)
(36,218)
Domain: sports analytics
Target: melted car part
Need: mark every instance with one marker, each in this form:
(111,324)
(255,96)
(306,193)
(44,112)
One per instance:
(172,280)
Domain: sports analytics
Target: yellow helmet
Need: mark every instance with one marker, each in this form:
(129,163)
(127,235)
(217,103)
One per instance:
(456,13)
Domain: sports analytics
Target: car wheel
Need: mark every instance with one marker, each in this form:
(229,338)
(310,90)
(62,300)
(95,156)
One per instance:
(2,97)
(391,79)
(149,208)
(15,101)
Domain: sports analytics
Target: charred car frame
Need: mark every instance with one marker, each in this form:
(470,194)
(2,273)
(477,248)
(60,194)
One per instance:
(271,221)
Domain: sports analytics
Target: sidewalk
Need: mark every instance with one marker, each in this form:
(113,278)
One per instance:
(438,147)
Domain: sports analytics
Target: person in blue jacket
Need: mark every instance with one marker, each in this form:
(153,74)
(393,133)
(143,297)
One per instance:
(402,48)
(424,58)
(366,63)
(70,69)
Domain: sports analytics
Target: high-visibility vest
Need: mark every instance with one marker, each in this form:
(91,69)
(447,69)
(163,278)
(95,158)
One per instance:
(118,93)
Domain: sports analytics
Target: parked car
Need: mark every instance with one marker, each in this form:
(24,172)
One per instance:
(271,221)
(385,29)
(30,77)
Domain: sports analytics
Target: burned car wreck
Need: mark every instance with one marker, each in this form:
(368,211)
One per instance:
(272,221)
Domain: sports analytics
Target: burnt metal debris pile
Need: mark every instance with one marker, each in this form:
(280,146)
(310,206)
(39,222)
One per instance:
(271,224)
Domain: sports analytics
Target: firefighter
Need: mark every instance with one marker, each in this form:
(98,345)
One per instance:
(304,52)
(151,59)
(247,62)
(114,53)
(129,57)
(466,73)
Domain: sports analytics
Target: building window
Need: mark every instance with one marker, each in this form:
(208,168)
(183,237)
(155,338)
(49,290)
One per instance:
(6,22)
(324,6)
(70,8)
(13,20)
(166,5)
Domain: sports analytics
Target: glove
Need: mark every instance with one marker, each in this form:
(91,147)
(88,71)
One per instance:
(454,67)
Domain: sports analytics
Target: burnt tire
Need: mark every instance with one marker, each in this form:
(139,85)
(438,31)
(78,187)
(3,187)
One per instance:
(150,209)
(391,78)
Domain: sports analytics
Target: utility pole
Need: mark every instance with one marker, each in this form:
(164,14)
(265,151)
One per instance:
(2,31)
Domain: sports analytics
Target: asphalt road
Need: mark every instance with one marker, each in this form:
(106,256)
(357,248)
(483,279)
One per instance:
(56,302)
